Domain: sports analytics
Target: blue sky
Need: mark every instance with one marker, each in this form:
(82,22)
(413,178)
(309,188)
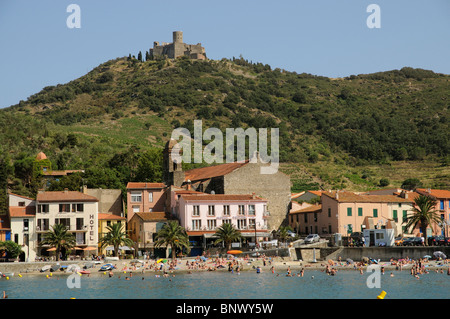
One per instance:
(321,37)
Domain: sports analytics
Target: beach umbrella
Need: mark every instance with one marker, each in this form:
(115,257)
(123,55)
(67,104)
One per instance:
(439,254)
(350,261)
(234,252)
(51,249)
(427,256)
(90,248)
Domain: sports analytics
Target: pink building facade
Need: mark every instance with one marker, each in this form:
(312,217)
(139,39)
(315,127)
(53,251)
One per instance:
(203,214)
(144,198)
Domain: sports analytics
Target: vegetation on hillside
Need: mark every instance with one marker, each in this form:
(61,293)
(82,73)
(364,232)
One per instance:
(114,121)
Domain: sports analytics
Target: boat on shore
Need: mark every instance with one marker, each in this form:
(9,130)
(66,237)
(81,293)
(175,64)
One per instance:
(45,268)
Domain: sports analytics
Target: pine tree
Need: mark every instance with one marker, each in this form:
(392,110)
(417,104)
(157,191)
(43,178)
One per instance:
(140,56)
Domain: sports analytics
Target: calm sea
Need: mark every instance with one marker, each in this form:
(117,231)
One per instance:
(224,285)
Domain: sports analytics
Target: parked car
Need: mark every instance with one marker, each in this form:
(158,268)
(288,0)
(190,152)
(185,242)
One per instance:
(444,241)
(434,240)
(312,238)
(407,241)
(399,241)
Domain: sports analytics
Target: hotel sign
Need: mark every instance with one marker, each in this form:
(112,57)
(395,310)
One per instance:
(91,228)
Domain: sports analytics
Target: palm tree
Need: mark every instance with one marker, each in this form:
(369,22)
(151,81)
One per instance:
(173,235)
(115,237)
(283,233)
(59,238)
(424,214)
(227,234)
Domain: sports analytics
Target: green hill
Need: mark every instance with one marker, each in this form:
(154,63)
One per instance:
(334,133)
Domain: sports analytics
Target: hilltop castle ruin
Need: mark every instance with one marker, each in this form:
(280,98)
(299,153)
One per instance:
(177,48)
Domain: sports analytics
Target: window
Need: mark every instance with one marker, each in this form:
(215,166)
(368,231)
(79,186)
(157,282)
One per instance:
(64,208)
(329,229)
(43,224)
(315,217)
(43,208)
(136,209)
(241,209)
(226,210)
(395,215)
(251,209)
(405,214)
(226,221)
(349,228)
(21,204)
(360,211)
(242,224)
(211,210)
(349,211)
(379,236)
(329,212)
(306,217)
(375,212)
(25,224)
(136,196)
(16,238)
(196,210)
(252,223)
(212,224)
(77,208)
(196,224)
(150,197)
(80,223)
(442,205)
(63,221)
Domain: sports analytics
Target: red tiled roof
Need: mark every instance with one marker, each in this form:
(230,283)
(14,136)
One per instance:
(20,196)
(318,193)
(41,156)
(139,185)
(212,171)
(222,197)
(65,196)
(349,197)
(19,211)
(104,216)
(310,209)
(153,216)
(295,195)
(438,193)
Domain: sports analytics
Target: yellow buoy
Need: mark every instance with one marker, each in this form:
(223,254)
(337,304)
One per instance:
(51,274)
(124,272)
(382,295)
(20,275)
(7,278)
(104,273)
(46,276)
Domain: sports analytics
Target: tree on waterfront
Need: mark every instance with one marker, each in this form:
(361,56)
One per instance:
(424,214)
(173,235)
(59,238)
(227,234)
(12,249)
(115,237)
(283,233)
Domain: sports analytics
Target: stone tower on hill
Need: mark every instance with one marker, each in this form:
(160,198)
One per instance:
(178,48)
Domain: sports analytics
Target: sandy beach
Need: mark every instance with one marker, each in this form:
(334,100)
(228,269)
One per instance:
(190,265)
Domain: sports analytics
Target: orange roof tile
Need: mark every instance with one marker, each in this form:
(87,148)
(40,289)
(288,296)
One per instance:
(65,196)
(438,193)
(318,193)
(212,171)
(41,156)
(222,197)
(153,216)
(310,209)
(145,185)
(349,197)
(19,211)
(104,216)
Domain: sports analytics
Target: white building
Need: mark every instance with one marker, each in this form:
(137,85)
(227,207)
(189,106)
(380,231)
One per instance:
(77,211)
(22,211)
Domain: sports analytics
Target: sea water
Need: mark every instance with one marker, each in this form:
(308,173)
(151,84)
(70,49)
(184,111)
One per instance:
(314,284)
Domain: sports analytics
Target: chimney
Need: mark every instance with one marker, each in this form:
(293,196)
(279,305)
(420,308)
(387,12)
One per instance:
(429,190)
(188,185)
(66,190)
(253,195)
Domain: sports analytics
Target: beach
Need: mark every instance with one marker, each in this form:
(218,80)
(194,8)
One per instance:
(277,265)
